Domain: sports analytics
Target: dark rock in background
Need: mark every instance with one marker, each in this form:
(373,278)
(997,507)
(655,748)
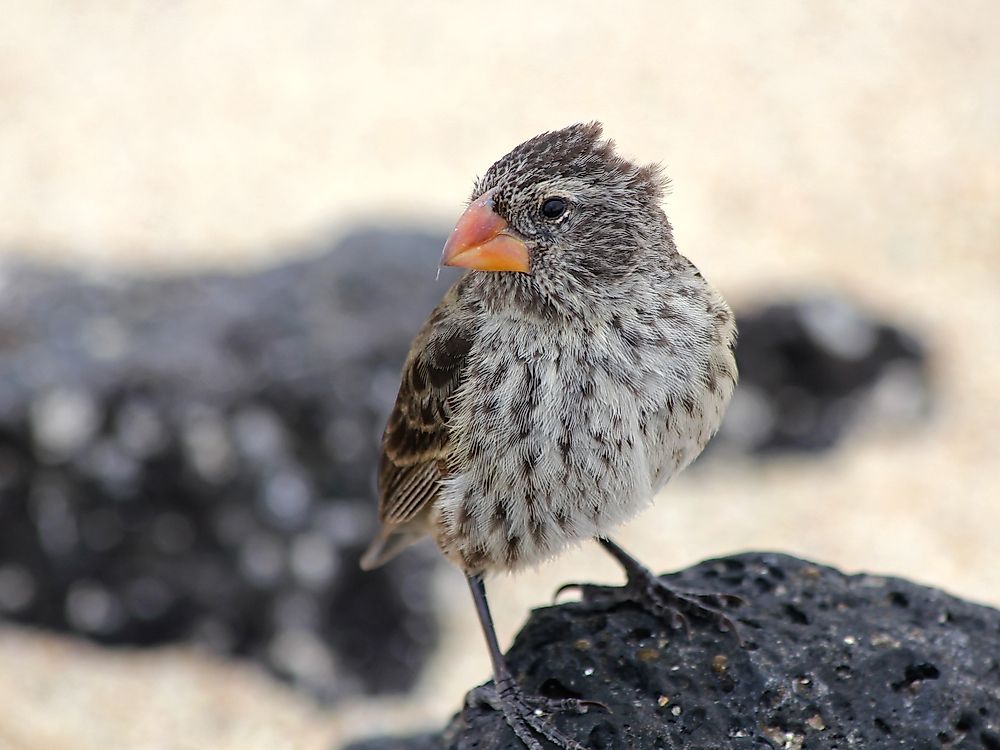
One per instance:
(812,368)
(192,459)
(829,662)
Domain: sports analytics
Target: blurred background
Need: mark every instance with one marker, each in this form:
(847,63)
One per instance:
(220,227)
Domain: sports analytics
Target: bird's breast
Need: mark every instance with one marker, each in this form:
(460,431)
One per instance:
(557,437)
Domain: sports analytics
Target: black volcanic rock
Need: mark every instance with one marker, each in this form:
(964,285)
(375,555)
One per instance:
(829,662)
(192,458)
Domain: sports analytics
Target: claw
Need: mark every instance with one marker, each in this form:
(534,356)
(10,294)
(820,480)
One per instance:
(597,705)
(728,625)
(661,600)
(567,587)
(679,622)
(576,705)
(528,716)
(589,592)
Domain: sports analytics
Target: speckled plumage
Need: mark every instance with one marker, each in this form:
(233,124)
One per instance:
(541,409)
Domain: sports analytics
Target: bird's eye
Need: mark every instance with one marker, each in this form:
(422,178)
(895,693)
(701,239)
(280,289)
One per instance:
(553,208)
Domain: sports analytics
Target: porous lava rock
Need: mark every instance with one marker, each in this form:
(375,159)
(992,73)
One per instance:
(828,662)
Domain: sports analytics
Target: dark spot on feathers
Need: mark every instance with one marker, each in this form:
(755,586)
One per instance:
(687,292)
(428,414)
(532,381)
(418,379)
(439,377)
(477,449)
(498,375)
(465,518)
(565,444)
(667,312)
(689,405)
(723,371)
(447,357)
(474,560)
(540,306)
(529,462)
(665,343)
(513,546)
(563,519)
(526,401)
(537,531)
(439,314)
(529,501)
(490,404)
(456,346)
(500,518)
(711,382)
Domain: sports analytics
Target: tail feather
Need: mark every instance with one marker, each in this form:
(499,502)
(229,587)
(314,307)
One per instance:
(388,544)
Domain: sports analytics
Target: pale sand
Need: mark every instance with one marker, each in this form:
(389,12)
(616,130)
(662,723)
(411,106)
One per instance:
(830,145)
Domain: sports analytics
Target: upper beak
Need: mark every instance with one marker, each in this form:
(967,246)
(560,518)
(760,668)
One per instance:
(483,241)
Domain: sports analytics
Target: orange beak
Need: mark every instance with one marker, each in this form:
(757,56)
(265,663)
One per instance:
(483,241)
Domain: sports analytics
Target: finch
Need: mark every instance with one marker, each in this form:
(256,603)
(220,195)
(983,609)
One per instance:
(578,365)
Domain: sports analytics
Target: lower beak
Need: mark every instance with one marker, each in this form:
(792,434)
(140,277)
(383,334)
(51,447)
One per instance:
(483,241)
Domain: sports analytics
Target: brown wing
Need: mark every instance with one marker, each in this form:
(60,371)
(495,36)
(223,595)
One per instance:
(415,442)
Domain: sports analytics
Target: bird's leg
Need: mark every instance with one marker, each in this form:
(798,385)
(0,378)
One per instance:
(657,596)
(527,715)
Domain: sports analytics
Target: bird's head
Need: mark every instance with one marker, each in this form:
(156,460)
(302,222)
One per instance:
(564,212)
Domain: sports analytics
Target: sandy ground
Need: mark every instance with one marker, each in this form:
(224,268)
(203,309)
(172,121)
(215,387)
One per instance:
(830,145)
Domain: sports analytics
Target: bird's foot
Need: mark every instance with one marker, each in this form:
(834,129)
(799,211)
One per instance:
(530,716)
(662,600)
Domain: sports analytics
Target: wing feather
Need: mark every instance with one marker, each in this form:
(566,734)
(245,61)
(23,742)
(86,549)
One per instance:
(416,442)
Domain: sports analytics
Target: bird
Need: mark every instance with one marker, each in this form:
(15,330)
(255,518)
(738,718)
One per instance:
(578,364)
